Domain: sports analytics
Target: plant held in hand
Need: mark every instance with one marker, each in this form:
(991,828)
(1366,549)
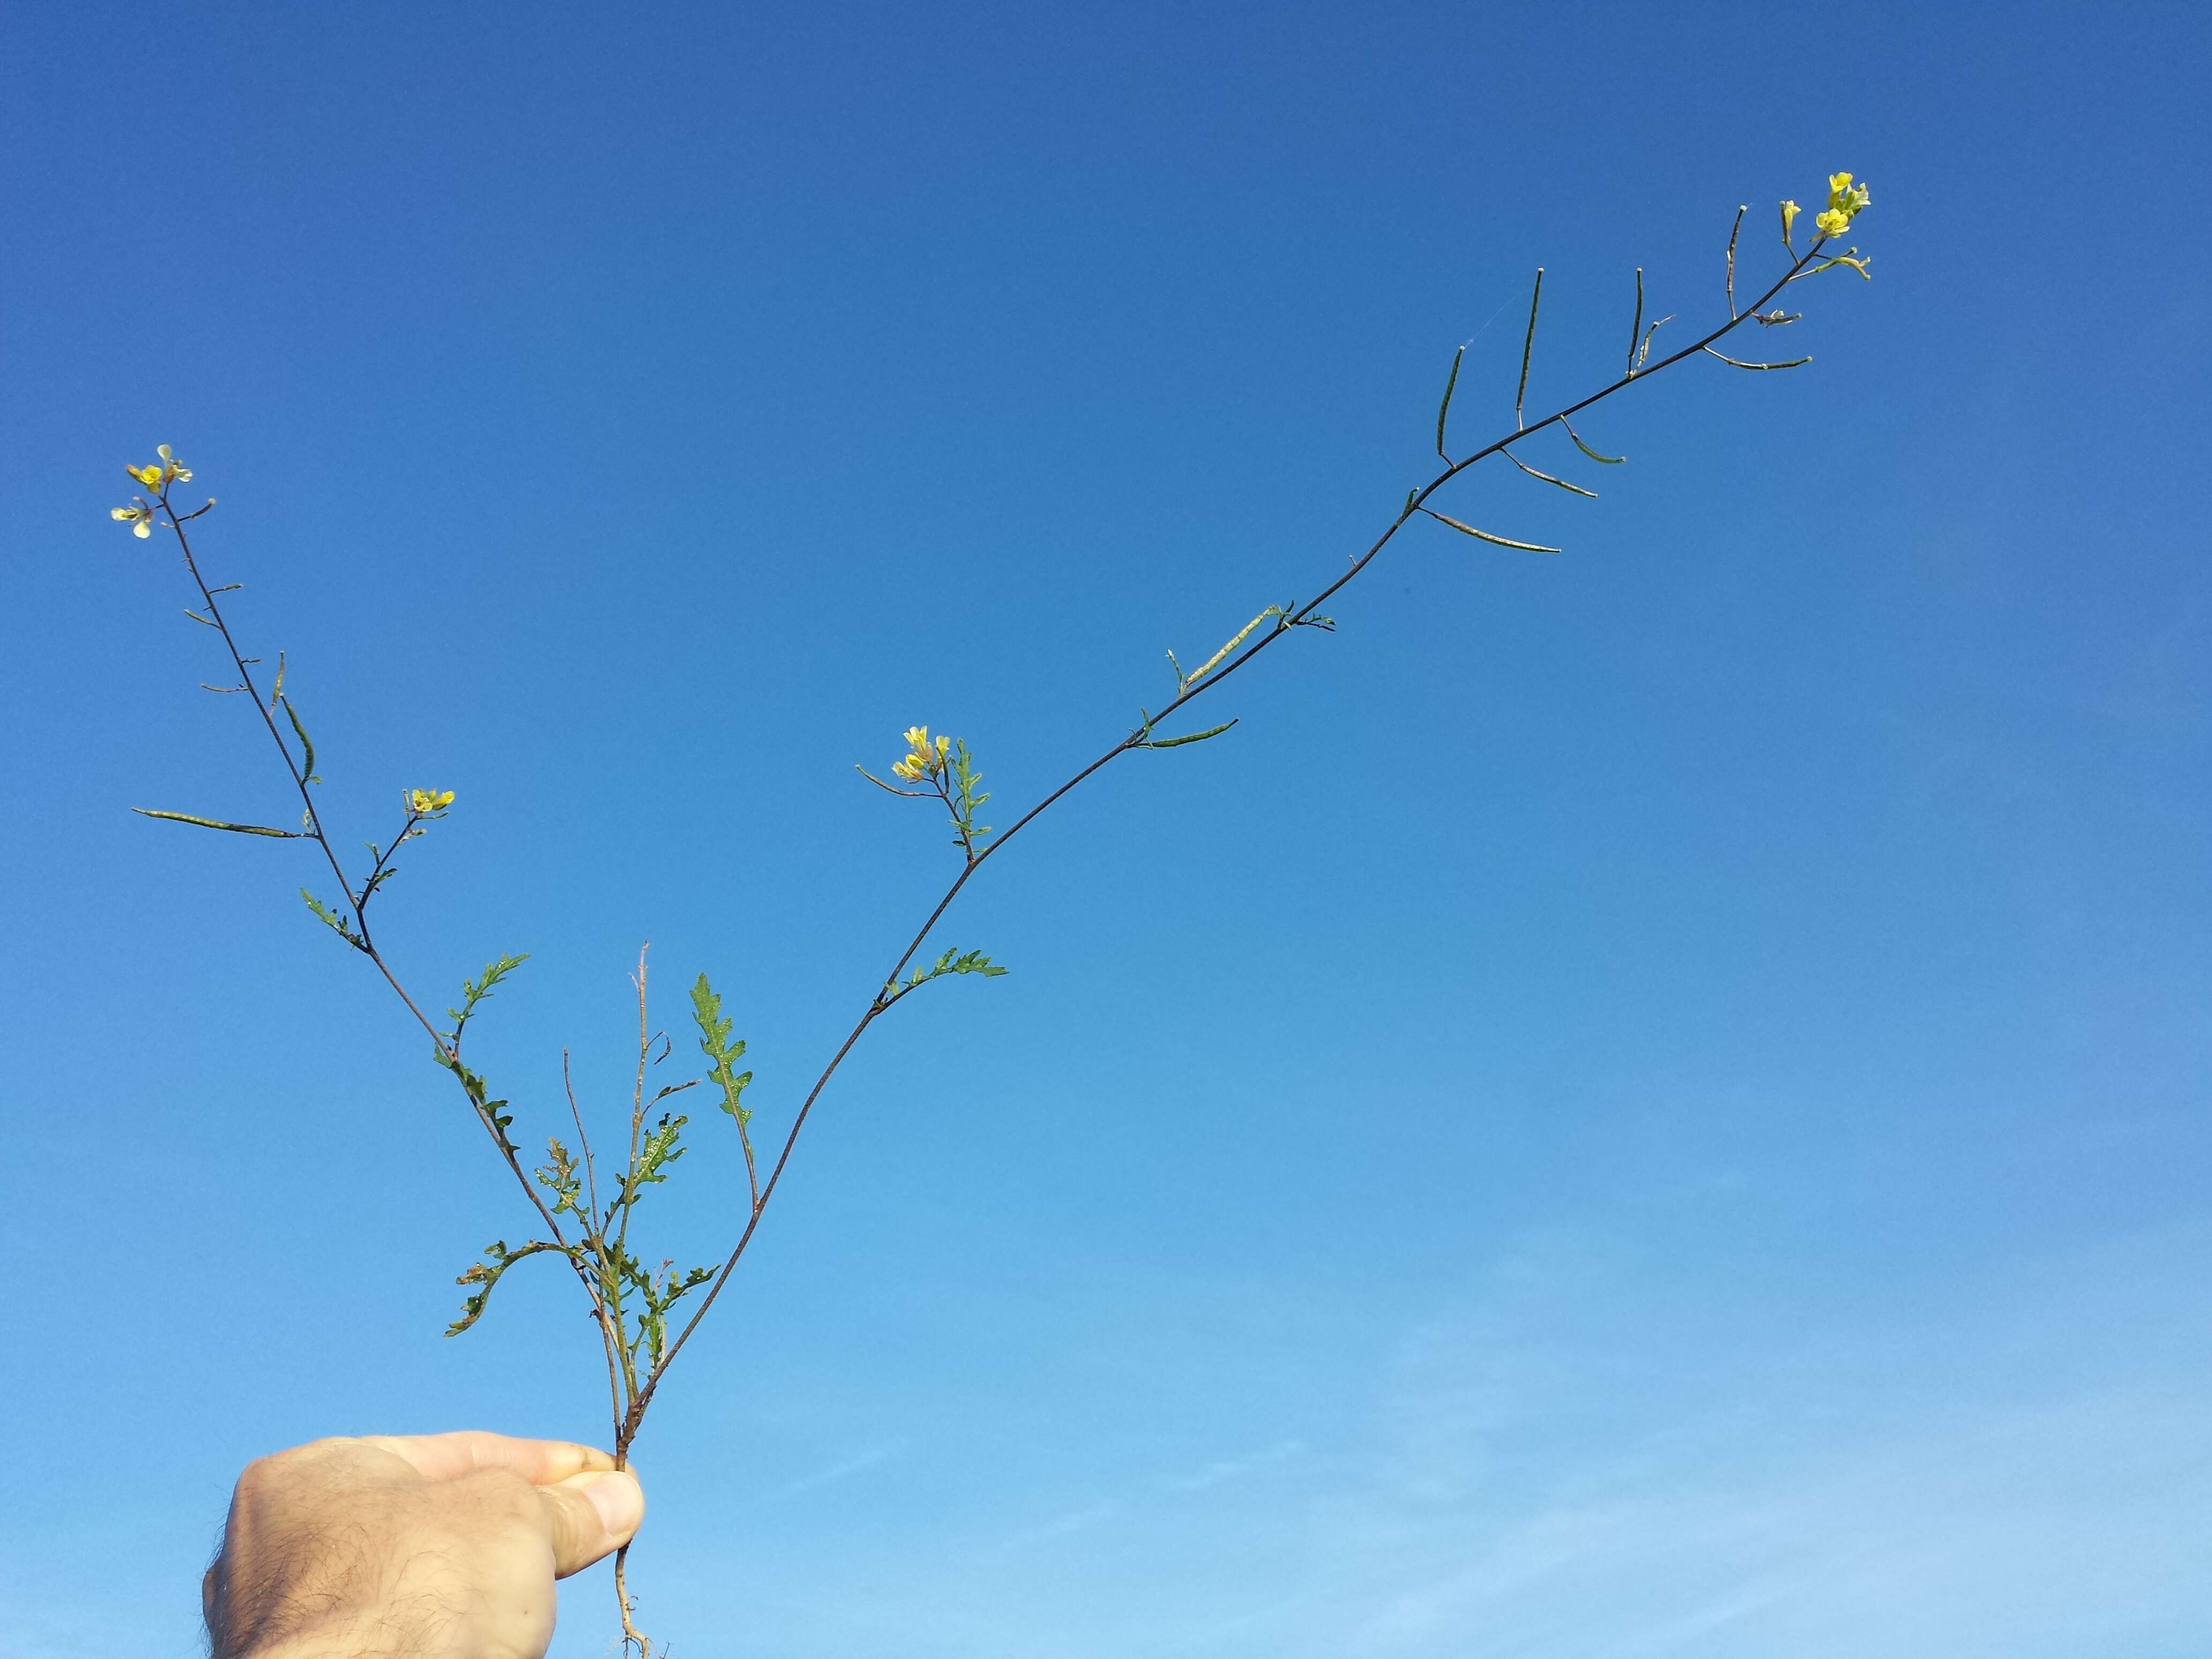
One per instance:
(583,1208)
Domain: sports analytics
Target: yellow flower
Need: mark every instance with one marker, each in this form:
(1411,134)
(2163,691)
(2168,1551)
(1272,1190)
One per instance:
(421,803)
(139,517)
(1847,201)
(1790,212)
(167,470)
(922,758)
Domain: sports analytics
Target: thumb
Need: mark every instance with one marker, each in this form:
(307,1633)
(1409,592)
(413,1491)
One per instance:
(589,1515)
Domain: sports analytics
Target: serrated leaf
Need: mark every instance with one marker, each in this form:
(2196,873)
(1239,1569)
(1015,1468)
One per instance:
(487,1274)
(331,919)
(716,1043)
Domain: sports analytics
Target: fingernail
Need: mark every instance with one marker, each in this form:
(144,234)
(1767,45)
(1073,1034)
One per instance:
(619,1499)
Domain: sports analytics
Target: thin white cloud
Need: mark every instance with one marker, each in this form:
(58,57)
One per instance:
(1073,1521)
(840,1470)
(1232,1469)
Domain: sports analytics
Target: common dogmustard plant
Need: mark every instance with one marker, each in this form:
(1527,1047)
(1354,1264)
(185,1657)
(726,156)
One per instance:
(583,1208)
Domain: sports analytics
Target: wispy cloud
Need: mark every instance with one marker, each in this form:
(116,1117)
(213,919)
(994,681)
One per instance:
(839,1470)
(1569,1463)
(1231,1469)
(1061,1527)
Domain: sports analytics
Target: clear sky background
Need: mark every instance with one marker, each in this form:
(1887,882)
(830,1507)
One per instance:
(1644,1103)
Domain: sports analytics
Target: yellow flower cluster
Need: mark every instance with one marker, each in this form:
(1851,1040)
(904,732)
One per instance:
(421,803)
(1845,201)
(159,476)
(163,472)
(924,758)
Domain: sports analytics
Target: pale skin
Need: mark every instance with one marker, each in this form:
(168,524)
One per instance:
(411,1546)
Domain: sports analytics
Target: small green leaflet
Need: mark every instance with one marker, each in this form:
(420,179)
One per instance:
(473,1085)
(955,961)
(329,918)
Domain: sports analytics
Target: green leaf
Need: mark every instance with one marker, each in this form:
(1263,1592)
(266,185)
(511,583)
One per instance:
(660,1149)
(473,1085)
(474,991)
(332,921)
(561,1178)
(955,961)
(217,824)
(715,1042)
(1194,737)
(487,1274)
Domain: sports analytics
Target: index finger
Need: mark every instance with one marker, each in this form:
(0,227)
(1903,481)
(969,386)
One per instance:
(465,1451)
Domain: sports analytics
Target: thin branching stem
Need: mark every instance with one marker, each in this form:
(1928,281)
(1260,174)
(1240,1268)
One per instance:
(595,1237)
(1290,618)
(367,945)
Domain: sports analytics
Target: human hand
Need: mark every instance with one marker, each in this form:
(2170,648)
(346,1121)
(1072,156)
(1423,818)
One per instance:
(415,1547)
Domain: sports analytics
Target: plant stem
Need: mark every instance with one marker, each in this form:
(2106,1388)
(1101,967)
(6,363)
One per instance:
(1294,618)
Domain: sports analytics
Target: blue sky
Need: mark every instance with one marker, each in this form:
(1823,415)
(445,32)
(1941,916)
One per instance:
(1644,1103)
